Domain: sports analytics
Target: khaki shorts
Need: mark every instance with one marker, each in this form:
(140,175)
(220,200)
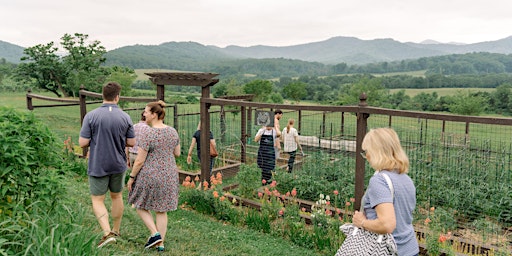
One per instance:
(99,186)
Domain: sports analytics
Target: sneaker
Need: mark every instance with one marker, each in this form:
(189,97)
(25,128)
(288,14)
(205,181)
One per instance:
(106,239)
(153,240)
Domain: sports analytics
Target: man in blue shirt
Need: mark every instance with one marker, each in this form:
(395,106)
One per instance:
(107,131)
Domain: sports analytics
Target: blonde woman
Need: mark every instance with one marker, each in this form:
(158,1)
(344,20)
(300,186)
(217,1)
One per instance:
(290,138)
(386,212)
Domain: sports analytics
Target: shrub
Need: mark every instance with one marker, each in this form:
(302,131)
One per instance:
(249,180)
(28,157)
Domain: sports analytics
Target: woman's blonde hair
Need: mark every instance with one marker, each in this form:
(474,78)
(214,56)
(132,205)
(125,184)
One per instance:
(385,151)
(291,121)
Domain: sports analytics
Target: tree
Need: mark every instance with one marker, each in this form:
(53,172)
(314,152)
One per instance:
(42,69)
(81,65)
(501,99)
(373,88)
(466,103)
(83,62)
(295,91)
(260,88)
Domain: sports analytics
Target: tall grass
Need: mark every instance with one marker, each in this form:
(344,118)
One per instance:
(60,231)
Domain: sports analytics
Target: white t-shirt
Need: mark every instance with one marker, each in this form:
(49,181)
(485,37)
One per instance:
(289,139)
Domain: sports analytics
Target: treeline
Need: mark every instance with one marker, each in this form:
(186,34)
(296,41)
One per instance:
(189,58)
(469,63)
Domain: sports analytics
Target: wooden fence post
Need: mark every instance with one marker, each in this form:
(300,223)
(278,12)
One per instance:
(83,111)
(362,119)
(243,135)
(29,100)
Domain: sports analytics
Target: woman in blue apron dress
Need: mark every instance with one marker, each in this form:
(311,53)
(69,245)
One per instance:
(266,154)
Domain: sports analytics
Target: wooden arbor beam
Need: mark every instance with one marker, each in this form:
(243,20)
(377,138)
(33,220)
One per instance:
(182,78)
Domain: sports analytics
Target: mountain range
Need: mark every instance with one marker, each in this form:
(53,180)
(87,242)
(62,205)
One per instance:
(349,50)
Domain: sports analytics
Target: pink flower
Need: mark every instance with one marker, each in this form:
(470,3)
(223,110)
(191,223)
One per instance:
(264,181)
(281,212)
(288,193)
(188,178)
(352,199)
(442,238)
(273,184)
(303,209)
(215,194)
(347,204)
(338,211)
(328,212)
(260,195)
(328,202)
(294,192)
(335,192)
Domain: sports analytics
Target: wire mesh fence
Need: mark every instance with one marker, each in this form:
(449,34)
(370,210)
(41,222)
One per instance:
(462,168)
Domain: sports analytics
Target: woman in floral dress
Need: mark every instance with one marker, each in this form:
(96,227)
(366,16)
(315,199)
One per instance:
(154,181)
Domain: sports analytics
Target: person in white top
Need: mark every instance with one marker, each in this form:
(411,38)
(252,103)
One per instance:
(290,138)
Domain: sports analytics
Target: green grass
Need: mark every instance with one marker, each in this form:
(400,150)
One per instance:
(188,233)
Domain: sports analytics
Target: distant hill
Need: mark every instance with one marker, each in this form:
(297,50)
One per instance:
(349,50)
(10,52)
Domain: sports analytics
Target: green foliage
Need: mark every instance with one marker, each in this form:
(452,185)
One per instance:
(468,104)
(42,68)
(28,157)
(257,221)
(261,89)
(295,91)
(82,65)
(248,179)
(276,98)
(58,231)
(201,201)
(319,174)
(373,89)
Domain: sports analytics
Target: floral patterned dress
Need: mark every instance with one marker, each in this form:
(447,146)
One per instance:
(156,185)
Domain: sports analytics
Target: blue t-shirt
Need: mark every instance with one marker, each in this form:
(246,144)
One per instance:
(107,127)
(404,202)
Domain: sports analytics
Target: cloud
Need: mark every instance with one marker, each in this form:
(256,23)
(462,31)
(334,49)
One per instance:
(119,23)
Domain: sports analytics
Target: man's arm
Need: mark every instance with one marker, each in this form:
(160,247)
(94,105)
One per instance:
(130,142)
(83,142)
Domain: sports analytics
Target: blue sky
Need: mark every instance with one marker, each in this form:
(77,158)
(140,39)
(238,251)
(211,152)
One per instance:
(118,23)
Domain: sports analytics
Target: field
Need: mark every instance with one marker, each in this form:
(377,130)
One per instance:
(441,91)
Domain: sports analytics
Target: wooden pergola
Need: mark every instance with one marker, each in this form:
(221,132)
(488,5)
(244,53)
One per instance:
(205,80)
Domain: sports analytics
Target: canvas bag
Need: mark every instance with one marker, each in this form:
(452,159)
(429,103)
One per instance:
(360,241)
